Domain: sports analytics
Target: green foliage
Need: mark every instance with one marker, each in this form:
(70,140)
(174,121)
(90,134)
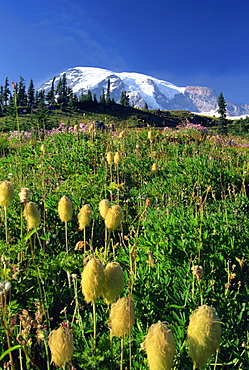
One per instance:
(192,211)
(240,127)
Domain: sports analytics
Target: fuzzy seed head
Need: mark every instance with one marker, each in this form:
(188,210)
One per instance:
(197,271)
(113,282)
(154,167)
(24,195)
(65,209)
(32,215)
(91,127)
(159,345)
(113,217)
(6,193)
(92,280)
(150,135)
(109,157)
(61,346)
(203,334)
(122,317)
(117,158)
(104,206)
(85,216)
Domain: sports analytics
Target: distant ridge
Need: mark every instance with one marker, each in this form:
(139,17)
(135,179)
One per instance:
(141,88)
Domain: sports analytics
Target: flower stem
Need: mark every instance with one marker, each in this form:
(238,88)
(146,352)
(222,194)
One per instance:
(94,328)
(122,353)
(6,225)
(66,238)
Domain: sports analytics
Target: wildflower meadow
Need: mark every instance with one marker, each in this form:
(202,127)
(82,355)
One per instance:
(125,248)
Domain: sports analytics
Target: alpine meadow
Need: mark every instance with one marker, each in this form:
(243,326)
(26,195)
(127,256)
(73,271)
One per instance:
(124,235)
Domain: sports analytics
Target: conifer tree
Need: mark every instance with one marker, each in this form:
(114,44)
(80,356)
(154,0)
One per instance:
(108,92)
(82,97)
(41,98)
(124,99)
(64,89)
(50,97)
(31,94)
(21,94)
(95,99)
(102,98)
(11,99)
(222,122)
(36,97)
(89,96)
(6,92)
(72,98)
(1,98)
(1,94)
(61,90)
(58,89)
(86,98)
(222,105)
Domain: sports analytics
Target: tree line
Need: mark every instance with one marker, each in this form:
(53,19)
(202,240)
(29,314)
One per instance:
(61,94)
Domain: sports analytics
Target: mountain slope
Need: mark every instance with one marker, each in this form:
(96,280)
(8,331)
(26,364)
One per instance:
(158,94)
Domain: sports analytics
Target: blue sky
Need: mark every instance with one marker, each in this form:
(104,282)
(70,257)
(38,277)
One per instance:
(186,42)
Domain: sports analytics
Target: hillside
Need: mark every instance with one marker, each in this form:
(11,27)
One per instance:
(119,116)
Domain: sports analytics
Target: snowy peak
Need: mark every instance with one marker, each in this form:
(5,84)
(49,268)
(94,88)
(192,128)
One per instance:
(141,88)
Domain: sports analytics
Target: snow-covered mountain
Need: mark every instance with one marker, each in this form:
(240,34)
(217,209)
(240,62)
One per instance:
(158,94)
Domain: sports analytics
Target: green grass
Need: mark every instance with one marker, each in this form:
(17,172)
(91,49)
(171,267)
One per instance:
(192,211)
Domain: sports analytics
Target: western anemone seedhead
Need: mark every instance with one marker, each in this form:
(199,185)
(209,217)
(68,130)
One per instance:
(113,217)
(150,135)
(109,157)
(159,345)
(65,209)
(91,127)
(24,195)
(203,334)
(113,282)
(6,193)
(121,135)
(61,346)
(122,317)
(104,206)
(92,280)
(32,215)
(85,216)
(197,271)
(117,158)
(154,167)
